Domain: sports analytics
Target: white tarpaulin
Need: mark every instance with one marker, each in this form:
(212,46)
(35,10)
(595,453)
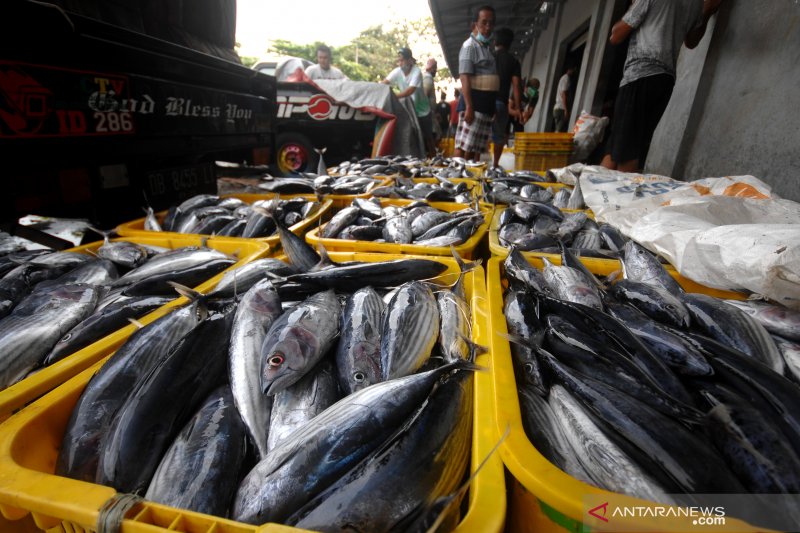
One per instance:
(728,233)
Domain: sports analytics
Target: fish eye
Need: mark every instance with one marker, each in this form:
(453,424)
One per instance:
(276,359)
(359,377)
(66,337)
(528,368)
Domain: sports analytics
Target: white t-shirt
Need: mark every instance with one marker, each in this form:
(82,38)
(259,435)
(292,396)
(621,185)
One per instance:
(563,86)
(315,72)
(414,78)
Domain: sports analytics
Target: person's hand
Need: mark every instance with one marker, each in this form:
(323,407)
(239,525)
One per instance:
(469,115)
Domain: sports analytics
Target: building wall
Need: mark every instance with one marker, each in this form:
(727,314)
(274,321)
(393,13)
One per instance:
(541,61)
(744,115)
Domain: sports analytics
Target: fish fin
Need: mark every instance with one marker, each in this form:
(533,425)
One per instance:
(516,339)
(136,323)
(464,266)
(614,276)
(325,259)
(276,277)
(474,349)
(104,234)
(185,291)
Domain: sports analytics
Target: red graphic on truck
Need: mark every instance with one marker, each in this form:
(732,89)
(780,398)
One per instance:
(24,103)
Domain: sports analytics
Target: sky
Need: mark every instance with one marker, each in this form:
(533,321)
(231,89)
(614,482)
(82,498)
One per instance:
(334,22)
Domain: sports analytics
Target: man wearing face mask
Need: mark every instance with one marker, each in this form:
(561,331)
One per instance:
(406,79)
(530,97)
(479,86)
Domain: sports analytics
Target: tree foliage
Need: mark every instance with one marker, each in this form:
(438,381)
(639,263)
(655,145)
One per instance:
(373,53)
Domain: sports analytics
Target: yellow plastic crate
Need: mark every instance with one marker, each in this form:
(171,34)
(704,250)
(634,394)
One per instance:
(539,161)
(19,394)
(30,439)
(465,250)
(543,498)
(135,228)
(543,142)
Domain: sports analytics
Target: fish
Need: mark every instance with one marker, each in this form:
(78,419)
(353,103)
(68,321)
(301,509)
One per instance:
(397,229)
(98,272)
(297,341)
(654,301)
(332,443)
(523,323)
(34,326)
(258,309)
(639,264)
(162,403)
(777,319)
(294,406)
(547,435)
(454,323)
(358,353)
(101,323)
(734,327)
(239,280)
(610,332)
(424,461)
(584,354)
(108,389)
(198,472)
(676,351)
(391,273)
(126,254)
(608,466)
(756,452)
(322,170)
(171,261)
(518,271)
(300,254)
(409,330)
(340,220)
(790,351)
(656,442)
(161,283)
(572,285)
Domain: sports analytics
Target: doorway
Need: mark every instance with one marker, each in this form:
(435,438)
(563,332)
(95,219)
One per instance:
(570,54)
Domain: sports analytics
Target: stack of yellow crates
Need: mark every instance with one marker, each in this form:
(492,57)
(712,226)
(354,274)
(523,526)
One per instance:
(541,151)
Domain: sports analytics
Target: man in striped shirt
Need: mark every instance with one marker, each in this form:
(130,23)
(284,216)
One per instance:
(479,85)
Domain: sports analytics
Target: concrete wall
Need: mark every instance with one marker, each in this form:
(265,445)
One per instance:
(743,114)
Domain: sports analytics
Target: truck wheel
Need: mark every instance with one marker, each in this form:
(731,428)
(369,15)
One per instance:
(295,153)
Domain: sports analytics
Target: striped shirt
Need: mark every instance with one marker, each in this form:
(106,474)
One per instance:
(477,60)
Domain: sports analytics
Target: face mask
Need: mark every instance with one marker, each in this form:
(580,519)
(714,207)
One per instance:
(482,39)
(532,92)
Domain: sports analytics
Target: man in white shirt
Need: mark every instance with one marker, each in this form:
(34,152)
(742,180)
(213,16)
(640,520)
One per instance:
(406,80)
(323,70)
(561,109)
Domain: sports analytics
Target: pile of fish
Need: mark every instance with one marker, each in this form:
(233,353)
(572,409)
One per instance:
(208,214)
(411,167)
(643,389)
(321,411)
(443,190)
(535,226)
(415,223)
(321,185)
(53,304)
(524,186)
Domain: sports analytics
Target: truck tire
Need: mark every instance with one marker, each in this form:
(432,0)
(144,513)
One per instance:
(295,153)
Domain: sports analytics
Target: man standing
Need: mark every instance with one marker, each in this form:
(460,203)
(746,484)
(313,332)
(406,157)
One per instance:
(508,96)
(430,92)
(479,84)
(561,109)
(407,80)
(656,30)
(443,114)
(323,70)
(454,113)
